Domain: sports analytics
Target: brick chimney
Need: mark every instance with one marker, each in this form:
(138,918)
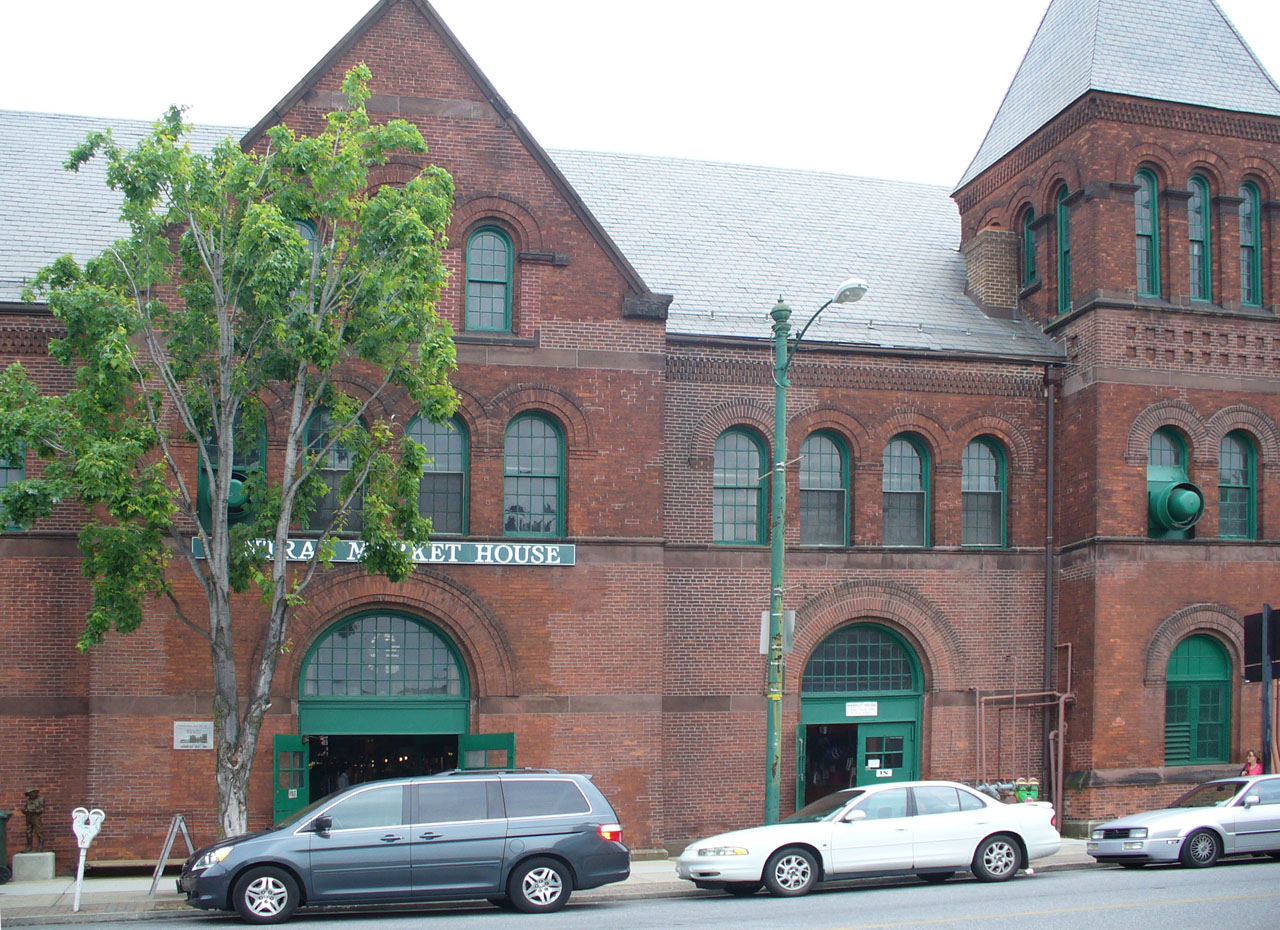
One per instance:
(991,264)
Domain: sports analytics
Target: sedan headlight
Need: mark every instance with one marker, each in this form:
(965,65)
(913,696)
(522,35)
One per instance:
(211,857)
(1138,833)
(722,851)
(1097,834)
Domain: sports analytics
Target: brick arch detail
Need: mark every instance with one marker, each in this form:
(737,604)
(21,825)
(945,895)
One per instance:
(1016,443)
(702,437)
(912,420)
(459,612)
(1264,172)
(1024,197)
(1210,164)
(1219,621)
(1057,174)
(1175,413)
(508,211)
(832,418)
(1149,155)
(535,397)
(899,607)
(397,172)
(1251,420)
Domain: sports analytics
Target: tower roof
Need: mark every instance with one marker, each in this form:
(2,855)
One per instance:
(1183,51)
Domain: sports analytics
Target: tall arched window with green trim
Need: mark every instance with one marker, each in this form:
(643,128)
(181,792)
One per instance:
(983,482)
(1250,245)
(489,280)
(860,658)
(1197,707)
(1028,276)
(905,483)
(1064,250)
(12,470)
(1237,486)
(533,478)
(334,466)
(442,492)
(824,495)
(1147,232)
(1198,233)
(737,496)
(383,655)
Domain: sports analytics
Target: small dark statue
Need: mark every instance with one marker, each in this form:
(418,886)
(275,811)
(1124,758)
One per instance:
(33,811)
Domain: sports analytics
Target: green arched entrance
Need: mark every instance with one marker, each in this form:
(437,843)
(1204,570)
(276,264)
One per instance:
(860,701)
(382,694)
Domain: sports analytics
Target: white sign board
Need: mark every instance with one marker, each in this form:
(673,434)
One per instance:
(862,708)
(193,734)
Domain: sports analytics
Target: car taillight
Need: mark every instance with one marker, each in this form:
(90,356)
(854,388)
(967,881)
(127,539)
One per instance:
(1053,821)
(611,832)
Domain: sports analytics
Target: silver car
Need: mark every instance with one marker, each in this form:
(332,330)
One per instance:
(1226,817)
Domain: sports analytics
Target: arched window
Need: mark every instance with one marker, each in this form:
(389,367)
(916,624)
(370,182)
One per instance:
(1250,242)
(1237,471)
(333,468)
(824,496)
(382,655)
(1147,233)
(906,492)
(737,506)
(859,659)
(1028,247)
(1198,232)
(1174,504)
(1197,706)
(12,470)
(982,491)
(249,452)
(489,280)
(533,478)
(1064,251)
(442,493)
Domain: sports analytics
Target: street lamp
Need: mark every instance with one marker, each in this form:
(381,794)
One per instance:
(783,352)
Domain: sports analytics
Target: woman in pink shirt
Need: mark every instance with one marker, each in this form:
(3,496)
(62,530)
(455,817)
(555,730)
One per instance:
(1252,766)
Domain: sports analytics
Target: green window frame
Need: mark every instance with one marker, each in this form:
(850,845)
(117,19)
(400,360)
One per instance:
(859,659)
(1028,247)
(247,456)
(489,280)
(737,499)
(983,494)
(382,654)
(1199,230)
(1237,487)
(824,491)
(1250,245)
(1146,218)
(1064,250)
(332,469)
(533,493)
(905,484)
(12,470)
(1197,721)
(442,490)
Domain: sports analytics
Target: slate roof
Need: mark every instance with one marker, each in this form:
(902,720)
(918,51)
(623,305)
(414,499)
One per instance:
(47,211)
(1184,51)
(729,240)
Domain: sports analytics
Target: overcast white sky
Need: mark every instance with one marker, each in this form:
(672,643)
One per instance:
(869,87)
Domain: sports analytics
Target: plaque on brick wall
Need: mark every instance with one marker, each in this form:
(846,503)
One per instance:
(193,734)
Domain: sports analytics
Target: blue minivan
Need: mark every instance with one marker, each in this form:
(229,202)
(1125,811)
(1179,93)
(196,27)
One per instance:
(524,839)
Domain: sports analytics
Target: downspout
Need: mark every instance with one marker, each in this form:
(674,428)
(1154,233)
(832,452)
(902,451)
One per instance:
(1052,378)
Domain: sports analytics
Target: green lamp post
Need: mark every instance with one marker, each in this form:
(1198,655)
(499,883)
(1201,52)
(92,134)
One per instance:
(783,353)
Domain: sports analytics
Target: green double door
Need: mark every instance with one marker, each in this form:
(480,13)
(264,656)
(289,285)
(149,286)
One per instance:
(836,750)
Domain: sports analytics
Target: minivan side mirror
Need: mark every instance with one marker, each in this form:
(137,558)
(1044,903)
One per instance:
(322,824)
(854,815)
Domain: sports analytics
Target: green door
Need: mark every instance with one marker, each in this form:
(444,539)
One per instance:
(886,752)
(292,792)
(802,770)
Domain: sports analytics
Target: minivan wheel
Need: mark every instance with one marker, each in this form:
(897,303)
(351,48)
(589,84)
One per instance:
(539,886)
(265,895)
(791,872)
(996,859)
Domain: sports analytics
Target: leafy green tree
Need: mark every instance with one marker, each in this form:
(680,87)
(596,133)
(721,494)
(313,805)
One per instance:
(254,290)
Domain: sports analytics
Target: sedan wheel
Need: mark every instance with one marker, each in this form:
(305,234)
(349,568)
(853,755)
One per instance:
(996,859)
(1200,850)
(539,886)
(265,896)
(791,872)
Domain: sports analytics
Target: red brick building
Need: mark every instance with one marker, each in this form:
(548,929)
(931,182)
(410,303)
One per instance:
(973,562)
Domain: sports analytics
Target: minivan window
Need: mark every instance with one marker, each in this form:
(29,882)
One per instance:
(543,798)
(451,801)
(375,807)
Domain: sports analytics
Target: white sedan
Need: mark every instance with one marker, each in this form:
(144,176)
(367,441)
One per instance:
(932,829)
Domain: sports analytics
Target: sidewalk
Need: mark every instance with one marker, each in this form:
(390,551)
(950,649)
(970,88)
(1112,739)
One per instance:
(45,904)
